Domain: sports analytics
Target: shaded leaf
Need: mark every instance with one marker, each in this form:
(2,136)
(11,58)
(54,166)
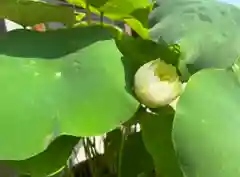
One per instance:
(206,125)
(207,32)
(52,160)
(141,51)
(32,12)
(156,133)
(112,146)
(135,158)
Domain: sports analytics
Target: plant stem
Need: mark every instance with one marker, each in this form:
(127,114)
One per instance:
(69,172)
(101,18)
(88,13)
(120,154)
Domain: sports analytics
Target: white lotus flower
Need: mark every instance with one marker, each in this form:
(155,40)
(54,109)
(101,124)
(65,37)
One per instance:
(157,84)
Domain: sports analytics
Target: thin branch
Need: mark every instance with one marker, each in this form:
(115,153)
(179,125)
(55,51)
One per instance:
(88,13)
(120,154)
(101,18)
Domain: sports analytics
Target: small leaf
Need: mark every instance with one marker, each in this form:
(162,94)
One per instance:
(138,27)
(114,9)
(139,21)
(135,14)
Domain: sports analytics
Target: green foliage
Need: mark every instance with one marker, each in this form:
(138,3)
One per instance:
(207,31)
(134,13)
(114,9)
(60,85)
(139,21)
(205,130)
(156,131)
(135,160)
(29,12)
(67,80)
(51,161)
(141,51)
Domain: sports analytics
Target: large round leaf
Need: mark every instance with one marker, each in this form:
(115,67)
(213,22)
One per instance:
(206,126)
(70,81)
(207,31)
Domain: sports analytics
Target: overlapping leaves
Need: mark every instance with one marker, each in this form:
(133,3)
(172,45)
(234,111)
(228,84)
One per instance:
(134,13)
(59,87)
(207,31)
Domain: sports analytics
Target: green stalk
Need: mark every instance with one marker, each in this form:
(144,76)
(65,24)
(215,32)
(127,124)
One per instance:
(120,154)
(88,13)
(101,18)
(69,172)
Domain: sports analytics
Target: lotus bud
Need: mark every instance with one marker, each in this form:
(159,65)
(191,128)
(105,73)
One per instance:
(157,84)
